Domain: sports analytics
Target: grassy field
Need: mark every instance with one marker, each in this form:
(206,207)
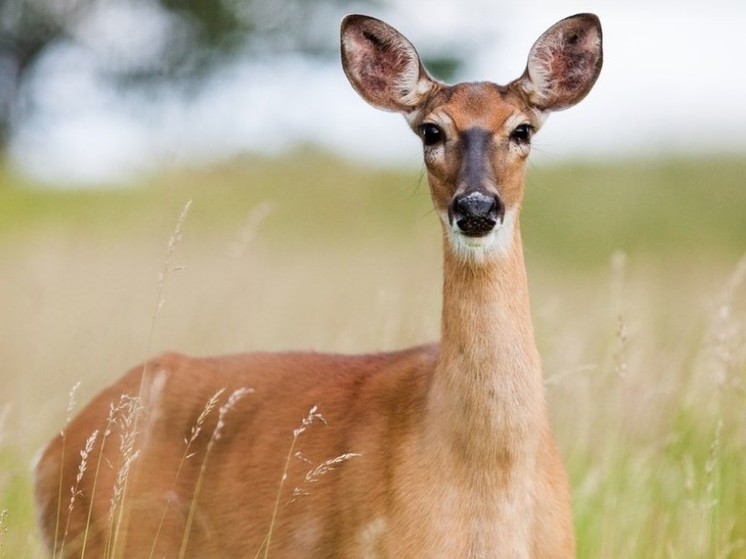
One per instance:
(638,290)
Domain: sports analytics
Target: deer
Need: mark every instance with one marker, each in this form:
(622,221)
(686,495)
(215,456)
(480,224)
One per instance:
(443,450)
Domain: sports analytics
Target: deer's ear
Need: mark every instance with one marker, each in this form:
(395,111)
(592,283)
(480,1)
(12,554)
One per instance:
(382,65)
(564,63)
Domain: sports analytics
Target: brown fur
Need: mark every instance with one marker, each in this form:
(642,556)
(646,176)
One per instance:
(442,450)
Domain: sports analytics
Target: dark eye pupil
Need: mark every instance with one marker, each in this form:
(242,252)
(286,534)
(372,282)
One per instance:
(522,134)
(431,134)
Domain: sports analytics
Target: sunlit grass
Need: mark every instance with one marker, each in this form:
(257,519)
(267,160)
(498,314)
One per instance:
(648,406)
(639,311)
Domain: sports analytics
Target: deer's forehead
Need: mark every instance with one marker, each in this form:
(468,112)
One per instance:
(483,105)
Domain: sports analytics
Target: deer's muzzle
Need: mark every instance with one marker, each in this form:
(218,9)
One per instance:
(476,213)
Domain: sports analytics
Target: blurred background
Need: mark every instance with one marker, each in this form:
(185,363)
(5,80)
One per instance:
(198,175)
(95,91)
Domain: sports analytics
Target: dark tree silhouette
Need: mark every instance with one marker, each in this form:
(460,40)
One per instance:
(198,36)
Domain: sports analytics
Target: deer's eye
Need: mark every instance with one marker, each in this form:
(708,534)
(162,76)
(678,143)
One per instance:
(431,134)
(522,134)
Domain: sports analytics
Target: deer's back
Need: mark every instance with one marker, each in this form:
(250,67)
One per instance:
(359,405)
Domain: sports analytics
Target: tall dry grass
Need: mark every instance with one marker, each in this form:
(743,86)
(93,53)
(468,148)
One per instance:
(644,353)
(648,397)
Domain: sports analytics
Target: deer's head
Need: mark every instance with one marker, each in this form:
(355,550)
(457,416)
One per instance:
(476,135)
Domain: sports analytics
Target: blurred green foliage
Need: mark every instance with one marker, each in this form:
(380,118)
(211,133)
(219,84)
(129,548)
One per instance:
(663,207)
(182,42)
(582,212)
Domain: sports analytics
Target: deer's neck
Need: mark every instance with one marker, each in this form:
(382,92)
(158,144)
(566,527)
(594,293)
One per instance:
(486,400)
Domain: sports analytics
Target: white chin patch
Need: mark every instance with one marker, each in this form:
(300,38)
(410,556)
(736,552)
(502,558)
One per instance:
(496,243)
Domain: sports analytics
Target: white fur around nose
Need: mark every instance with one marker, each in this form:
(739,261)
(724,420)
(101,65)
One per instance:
(497,243)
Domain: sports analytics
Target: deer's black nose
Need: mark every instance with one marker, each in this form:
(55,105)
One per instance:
(476,213)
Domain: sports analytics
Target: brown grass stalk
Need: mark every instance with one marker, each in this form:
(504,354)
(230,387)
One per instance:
(233,399)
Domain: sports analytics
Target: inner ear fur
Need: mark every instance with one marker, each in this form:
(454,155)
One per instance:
(564,63)
(382,65)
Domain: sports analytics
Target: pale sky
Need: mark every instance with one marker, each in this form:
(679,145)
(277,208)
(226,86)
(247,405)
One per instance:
(673,82)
